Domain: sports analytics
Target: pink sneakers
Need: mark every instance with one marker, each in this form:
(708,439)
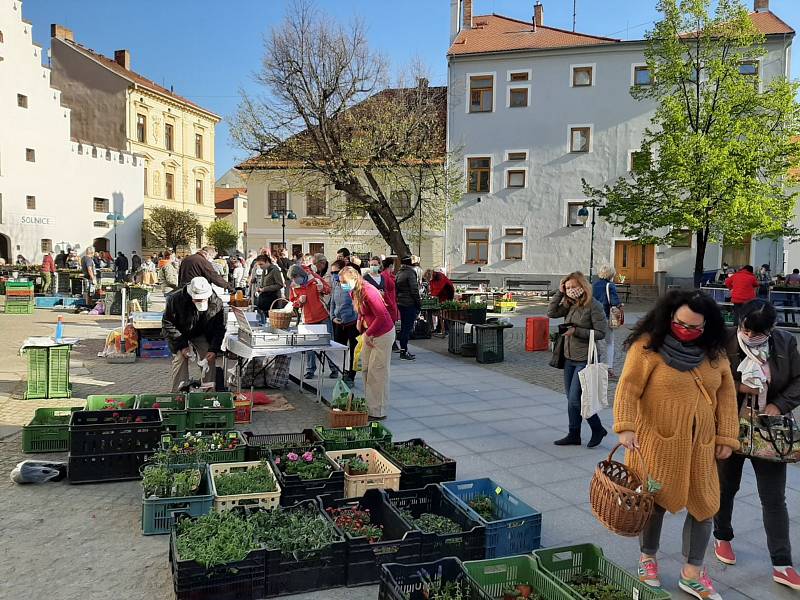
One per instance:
(648,572)
(724,552)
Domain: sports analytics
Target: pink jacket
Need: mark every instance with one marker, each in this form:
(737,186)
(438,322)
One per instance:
(373,311)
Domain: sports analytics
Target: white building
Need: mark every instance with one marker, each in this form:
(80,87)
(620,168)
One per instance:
(54,191)
(534,109)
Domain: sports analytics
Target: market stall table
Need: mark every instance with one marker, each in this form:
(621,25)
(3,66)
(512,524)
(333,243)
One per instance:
(476,296)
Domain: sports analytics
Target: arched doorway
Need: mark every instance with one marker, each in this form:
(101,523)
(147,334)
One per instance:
(5,248)
(100,244)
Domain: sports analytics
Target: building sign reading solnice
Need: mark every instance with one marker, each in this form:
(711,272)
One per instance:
(35,220)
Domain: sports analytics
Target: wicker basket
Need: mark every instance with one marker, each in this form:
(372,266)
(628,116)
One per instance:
(614,497)
(277,318)
(348,418)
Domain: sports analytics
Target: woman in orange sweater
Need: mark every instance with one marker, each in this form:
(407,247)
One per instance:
(676,403)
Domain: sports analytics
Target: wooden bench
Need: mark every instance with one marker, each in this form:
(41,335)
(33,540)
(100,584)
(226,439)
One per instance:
(470,282)
(530,285)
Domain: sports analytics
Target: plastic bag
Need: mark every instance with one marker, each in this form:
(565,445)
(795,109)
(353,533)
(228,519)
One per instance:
(341,390)
(37,471)
(357,353)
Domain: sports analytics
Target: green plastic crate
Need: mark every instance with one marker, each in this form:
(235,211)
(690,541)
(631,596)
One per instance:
(202,416)
(120,401)
(237,454)
(564,563)
(48,431)
(172,406)
(20,308)
(37,373)
(498,574)
(58,372)
(19,285)
(352,438)
(158,513)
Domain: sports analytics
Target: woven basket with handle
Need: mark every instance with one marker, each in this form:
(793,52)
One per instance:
(348,417)
(277,318)
(619,497)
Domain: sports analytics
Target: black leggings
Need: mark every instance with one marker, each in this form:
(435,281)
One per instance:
(347,333)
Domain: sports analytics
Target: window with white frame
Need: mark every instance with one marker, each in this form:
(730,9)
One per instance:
(481,93)
(518,97)
(516,155)
(315,203)
(277,201)
(642,76)
(30,202)
(513,248)
(477,244)
(580,138)
(639,161)
(30,154)
(22,101)
(519,75)
(516,178)
(582,75)
(479,174)
(100,205)
(572,214)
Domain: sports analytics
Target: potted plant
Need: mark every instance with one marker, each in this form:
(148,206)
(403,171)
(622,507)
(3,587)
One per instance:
(357,522)
(307,465)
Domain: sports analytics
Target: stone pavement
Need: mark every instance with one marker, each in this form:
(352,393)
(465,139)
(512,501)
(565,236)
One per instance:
(86,539)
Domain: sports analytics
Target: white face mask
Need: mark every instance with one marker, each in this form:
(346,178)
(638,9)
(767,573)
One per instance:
(201,306)
(259,271)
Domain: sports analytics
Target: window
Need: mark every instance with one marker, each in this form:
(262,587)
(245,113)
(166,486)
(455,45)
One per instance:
(516,178)
(168,130)
(141,128)
(514,231)
(477,246)
(400,202)
(22,101)
(101,205)
(47,245)
(316,248)
(582,76)
(277,201)
(30,154)
(315,204)
(198,145)
(518,97)
(682,239)
(512,250)
(481,93)
(169,183)
(353,207)
(642,76)
(94,152)
(198,191)
(748,68)
(102,224)
(519,76)
(145,181)
(30,202)
(579,139)
(639,161)
(479,174)
(517,155)
(572,214)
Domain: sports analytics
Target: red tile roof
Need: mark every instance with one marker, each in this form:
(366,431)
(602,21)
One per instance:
(135,77)
(769,23)
(221,193)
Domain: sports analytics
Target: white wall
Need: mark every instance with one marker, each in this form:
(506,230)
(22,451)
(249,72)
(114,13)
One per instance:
(63,181)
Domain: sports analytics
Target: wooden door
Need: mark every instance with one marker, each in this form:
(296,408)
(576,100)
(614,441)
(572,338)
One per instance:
(737,255)
(635,262)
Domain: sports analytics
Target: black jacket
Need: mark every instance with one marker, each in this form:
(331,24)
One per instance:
(197,265)
(182,322)
(784,366)
(136,262)
(121,263)
(407,287)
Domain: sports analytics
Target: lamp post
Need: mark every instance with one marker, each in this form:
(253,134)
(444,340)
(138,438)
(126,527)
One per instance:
(282,215)
(583,216)
(115,218)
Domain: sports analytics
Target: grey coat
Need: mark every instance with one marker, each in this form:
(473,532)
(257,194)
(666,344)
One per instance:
(584,319)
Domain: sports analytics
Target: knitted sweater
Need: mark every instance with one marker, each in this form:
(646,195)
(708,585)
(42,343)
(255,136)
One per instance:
(678,428)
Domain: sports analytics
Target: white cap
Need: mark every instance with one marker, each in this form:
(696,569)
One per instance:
(440,270)
(199,288)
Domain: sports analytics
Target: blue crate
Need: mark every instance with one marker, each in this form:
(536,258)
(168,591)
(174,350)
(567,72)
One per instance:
(73,302)
(518,529)
(155,353)
(47,301)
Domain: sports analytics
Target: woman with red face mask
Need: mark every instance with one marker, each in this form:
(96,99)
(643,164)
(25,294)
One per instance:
(676,404)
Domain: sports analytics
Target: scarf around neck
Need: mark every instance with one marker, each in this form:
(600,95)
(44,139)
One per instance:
(680,356)
(754,367)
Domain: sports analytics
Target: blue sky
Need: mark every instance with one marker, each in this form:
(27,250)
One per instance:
(209,49)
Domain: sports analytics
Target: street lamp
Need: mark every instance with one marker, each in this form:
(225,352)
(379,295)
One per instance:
(583,216)
(115,218)
(282,215)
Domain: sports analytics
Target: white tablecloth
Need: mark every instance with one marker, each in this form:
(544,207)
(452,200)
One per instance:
(232,344)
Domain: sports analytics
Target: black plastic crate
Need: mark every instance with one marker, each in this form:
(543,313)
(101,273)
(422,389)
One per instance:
(115,431)
(489,341)
(399,544)
(476,316)
(242,580)
(456,336)
(106,467)
(422,329)
(469,544)
(411,582)
(260,445)
(413,477)
(294,489)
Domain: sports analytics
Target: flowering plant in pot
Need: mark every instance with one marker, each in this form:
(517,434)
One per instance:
(307,465)
(357,522)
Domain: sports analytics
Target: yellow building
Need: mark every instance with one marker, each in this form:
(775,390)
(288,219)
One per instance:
(115,106)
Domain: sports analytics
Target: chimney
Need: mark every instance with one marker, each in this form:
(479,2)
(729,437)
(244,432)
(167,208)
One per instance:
(123,58)
(467,8)
(538,15)
(60,32)
(761,5)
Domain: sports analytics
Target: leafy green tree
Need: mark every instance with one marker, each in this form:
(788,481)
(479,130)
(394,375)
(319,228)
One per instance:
(715,159)
(222,235)
(170,228)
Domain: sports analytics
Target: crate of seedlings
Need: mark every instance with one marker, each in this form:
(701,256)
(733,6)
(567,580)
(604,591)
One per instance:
(512,527)
(586,574)
(212,411)
(304,550)
(375,532)
(445,578)
(352,438)
(216,557)
(305,472)
(447,529)
(260,445)
(48,431)
(348,410)
(95,468)
(244,484)
(516,578)
(419,464)
(172,407)
(113,431)
(168,490)
(204,448)
(111,402)
(365,469)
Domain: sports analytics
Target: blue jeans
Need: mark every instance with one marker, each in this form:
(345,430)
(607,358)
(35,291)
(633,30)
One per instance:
(311,357)
(408,316)
(572,385)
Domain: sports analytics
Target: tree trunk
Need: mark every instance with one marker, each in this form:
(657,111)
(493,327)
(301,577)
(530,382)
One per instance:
(700,255)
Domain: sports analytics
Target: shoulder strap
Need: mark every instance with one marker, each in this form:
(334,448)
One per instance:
(698,379)
(608,292)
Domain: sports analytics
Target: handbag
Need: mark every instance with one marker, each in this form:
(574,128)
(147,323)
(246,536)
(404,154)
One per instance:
(594,382)
(558,359)
(775,439)
(616,317)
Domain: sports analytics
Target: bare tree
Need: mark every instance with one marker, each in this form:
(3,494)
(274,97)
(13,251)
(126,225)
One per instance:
(328,117)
